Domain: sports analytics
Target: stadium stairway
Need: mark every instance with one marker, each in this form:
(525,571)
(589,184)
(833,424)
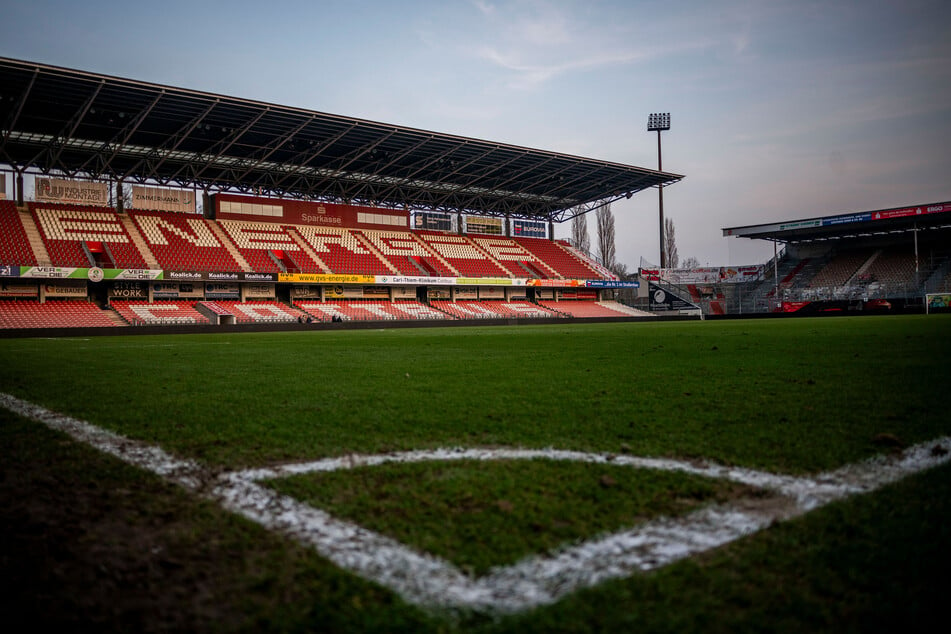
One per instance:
(139,242)
(440,259)
(230,246)
(369,246)
(33,236)
(306,248)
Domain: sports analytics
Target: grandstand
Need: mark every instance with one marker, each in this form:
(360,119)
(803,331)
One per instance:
(321,229)
(187,250)
(887,259)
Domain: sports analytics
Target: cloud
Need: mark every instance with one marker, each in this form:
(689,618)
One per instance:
(484,8)
(527,75)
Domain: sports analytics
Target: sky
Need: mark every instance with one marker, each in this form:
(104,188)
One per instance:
(779,109)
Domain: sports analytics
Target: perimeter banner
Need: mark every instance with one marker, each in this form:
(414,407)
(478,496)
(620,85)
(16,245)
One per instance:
(94,274)
(58,190)
(555,283)
(490,281)
(611,284)
(324,278)
(416,281)
(706,275)
(213,276)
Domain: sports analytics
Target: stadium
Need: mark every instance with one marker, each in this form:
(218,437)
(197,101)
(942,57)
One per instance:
(370,391)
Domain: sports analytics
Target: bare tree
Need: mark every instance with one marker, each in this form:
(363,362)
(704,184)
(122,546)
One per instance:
(605,224)
(690,263)
(670,244)
(125,196)
(579,232)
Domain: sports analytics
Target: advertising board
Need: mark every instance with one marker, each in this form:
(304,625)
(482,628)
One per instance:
(129,290)
(479,224)
(218,290)
(661,300)
(163,199)
(307,212)
(529,229)
(430,221)
(92,274)
(60,190)
(64,289)
(15,289)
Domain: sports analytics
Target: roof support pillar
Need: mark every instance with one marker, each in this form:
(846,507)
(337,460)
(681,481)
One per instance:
(120,199)
(18,187)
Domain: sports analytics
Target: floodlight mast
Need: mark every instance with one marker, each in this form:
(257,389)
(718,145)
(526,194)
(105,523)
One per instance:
(660,121)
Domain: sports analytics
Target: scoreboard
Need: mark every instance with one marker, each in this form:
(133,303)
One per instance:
(478,224)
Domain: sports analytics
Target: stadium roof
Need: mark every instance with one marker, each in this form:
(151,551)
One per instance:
(80,124)
(851,225)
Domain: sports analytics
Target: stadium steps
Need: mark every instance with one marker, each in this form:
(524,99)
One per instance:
(533,271)
(115,317)
(139,241)
(306,248)
(539,266)
(859,272)
(278,262)
(369,246)
(33,236)
(623,308)
(416,261)
(585,261)
(436,255)
(229,245)
(505,272)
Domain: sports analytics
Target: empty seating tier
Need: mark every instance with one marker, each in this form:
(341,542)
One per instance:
(183,242)
(584,308)
(508,253)
(839,269)
(490,309)
(409,255)
(892,268)
(464,255)
(159,313)
(342,251)
(369,310)
(560,257)
(14,245)
(79,236)
(260,243)
(53,314)
(260,312)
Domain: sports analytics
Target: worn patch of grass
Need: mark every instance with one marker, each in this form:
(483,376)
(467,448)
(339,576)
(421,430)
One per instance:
(872,563)
(481,514)
(90,544)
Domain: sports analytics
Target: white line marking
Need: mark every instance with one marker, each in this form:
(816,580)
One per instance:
(429,581)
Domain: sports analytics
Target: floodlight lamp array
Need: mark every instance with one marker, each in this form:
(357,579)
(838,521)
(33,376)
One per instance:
(658,121)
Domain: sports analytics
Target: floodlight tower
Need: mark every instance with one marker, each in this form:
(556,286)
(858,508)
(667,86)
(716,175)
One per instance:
(660,121)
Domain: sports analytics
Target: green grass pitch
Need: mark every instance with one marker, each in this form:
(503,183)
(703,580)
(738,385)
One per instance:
(795,396)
